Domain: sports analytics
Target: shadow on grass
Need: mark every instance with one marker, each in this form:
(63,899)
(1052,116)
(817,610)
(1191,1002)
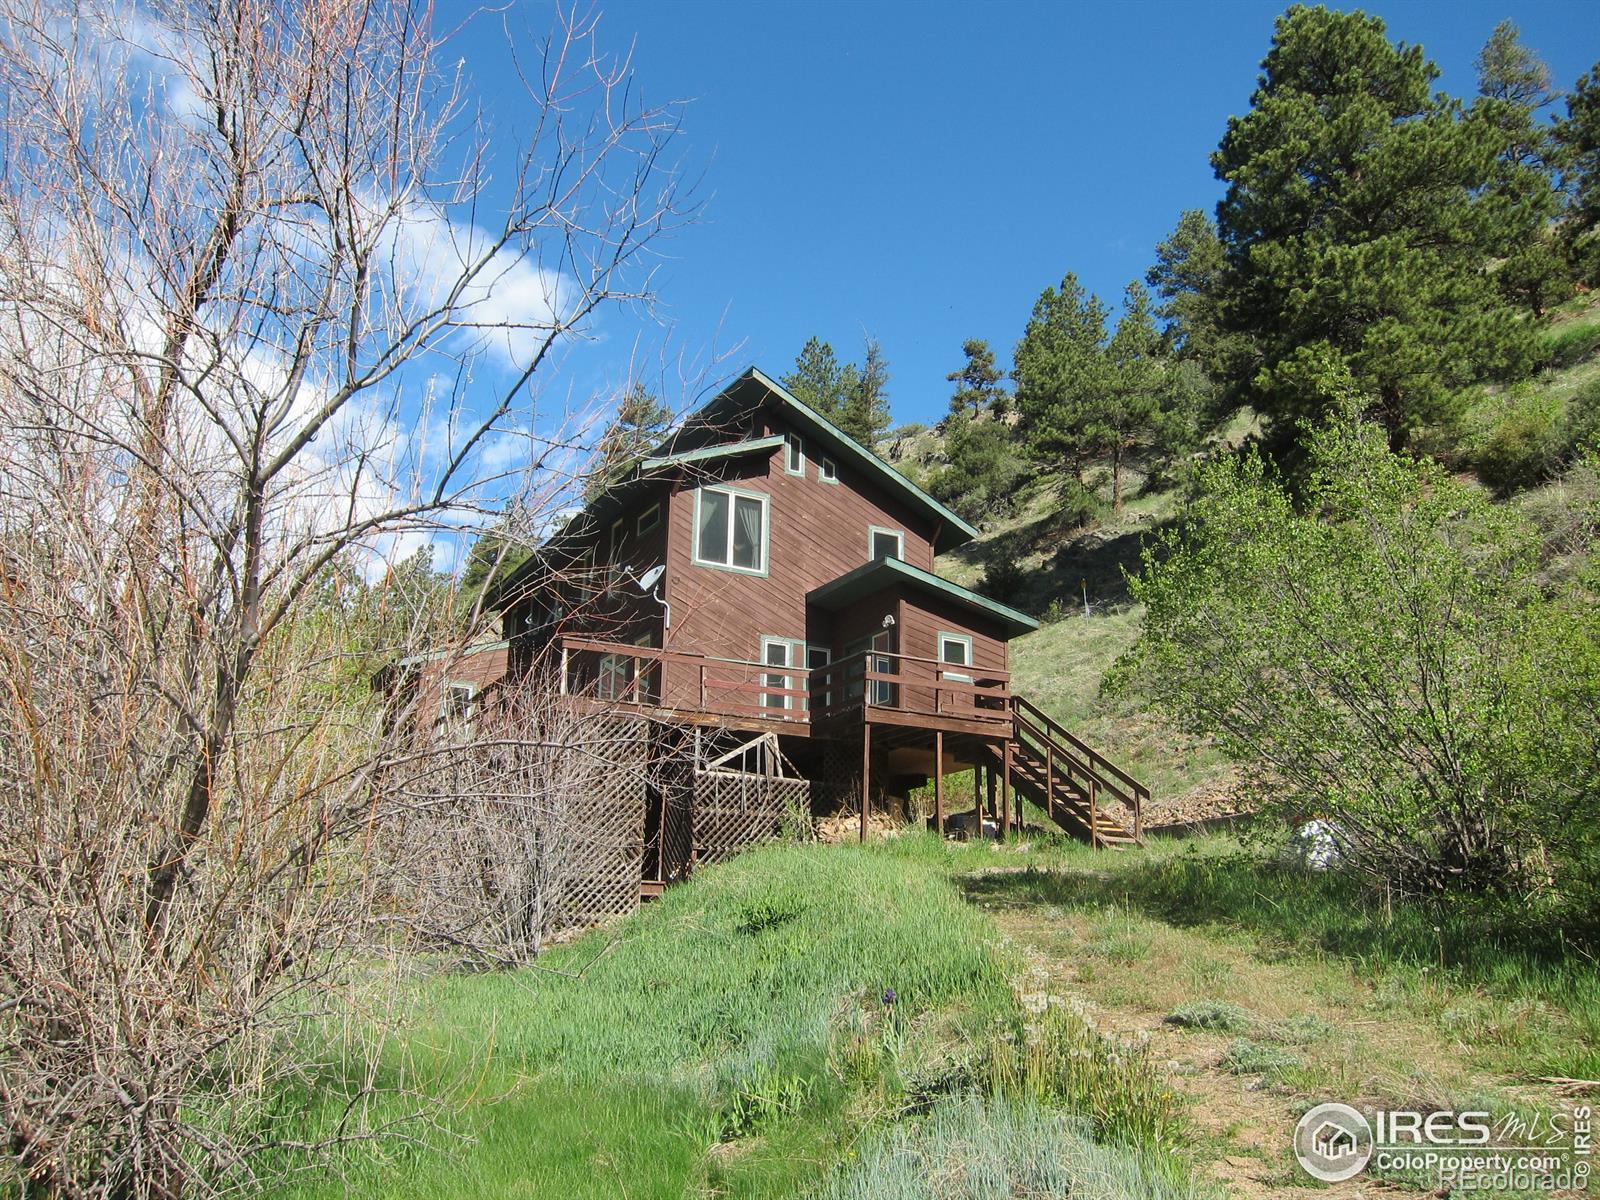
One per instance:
(1292,911)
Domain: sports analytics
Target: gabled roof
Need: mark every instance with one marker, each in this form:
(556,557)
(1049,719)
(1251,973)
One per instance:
(726,410)
(882,572)
(704,436)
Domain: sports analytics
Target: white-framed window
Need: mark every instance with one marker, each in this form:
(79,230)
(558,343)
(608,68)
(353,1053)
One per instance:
(827,471)
(955,650)
(779,652)
(649,520)
(885,543)
(818,657)
(458,711)
(616,673)
(730,530)
(626,678)
(619,530)
(794,455)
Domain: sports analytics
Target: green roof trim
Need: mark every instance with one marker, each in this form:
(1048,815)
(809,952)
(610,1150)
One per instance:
(731,450)
(864,458)
(874,576)
(414,660)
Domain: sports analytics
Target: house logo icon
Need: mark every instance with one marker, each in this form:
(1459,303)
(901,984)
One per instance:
(1333,1142)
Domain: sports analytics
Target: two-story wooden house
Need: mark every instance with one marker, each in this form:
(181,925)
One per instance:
(763,577)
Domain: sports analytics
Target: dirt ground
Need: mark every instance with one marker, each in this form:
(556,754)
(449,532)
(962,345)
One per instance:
(1131,973)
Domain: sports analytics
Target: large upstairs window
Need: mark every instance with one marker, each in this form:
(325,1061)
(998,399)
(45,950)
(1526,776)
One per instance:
(730,530)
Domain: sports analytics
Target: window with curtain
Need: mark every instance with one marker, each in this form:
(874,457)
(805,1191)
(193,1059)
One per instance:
(731,530)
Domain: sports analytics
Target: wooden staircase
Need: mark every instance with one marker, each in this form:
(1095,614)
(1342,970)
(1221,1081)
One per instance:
(1081,790)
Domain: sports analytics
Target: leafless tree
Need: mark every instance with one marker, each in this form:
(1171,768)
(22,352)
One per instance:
(520,821)
(266,313)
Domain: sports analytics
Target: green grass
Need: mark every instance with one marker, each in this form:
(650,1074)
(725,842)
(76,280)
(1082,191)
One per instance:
(731,1038)
(1512,984)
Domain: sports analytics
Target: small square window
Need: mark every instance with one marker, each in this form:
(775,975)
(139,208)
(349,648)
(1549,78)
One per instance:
(827,471)
(649,520)
(885,543)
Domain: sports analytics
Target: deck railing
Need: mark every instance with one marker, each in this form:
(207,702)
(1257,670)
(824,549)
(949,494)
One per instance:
(899,683)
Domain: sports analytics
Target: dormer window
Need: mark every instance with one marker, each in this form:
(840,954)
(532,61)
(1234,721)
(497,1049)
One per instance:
(794,455)
(730,530)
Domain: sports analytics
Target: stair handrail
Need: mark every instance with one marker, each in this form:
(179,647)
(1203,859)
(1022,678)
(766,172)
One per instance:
(1097,766)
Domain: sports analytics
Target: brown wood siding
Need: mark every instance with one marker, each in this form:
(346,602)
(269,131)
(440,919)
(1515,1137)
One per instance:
(923,617)
(818,531)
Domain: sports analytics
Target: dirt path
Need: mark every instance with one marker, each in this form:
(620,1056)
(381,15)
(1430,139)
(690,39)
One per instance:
(1134,972)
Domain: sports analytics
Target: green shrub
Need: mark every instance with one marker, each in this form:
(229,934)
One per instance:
(1583,418)
(1217,1015)
(1003,572)
(982,470)
(1245,1057)
(993,1149)
(1065,1061)
(1380,651)
(1525,446)
(1571,345)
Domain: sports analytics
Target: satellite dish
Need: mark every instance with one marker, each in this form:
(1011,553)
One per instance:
(650,578)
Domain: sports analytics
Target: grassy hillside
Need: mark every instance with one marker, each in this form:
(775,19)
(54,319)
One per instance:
(750,1034)
(920,1020)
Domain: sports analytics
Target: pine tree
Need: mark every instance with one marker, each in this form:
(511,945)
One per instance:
(1513,85)
(855,398)
(978,381)
(1085,396)
(640,421)
(1059,362)
(865,415)
(495,554)
(819,380)
(1579,134)
(1189,277)
(1360,220)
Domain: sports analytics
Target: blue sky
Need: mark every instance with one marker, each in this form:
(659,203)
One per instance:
(921,171)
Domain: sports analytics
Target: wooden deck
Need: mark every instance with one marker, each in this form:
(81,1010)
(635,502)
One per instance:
(874,687)
(883,699)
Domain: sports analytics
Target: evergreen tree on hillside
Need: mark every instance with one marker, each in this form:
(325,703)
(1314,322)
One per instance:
(639,424)
(1361,217)
(1513,85)
(1086,396)
(1579,134)
(855,398)
(978,381)
(819,379)
(1188,277)
(982,469)
(865,414)
(1059,362)
(495,554)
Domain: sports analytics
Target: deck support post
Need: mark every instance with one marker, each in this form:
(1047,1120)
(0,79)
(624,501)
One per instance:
(866,775)
(988,791)
(938,781)
(1005,788)
(977,798)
